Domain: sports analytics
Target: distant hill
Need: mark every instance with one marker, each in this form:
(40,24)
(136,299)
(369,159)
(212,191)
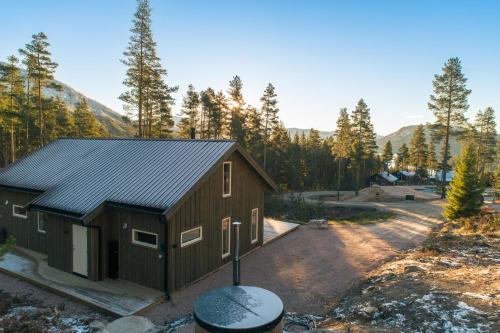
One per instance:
(404,134)
(293,130)
(111,120)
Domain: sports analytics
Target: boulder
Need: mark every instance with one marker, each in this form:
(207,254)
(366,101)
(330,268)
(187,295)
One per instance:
(131,324)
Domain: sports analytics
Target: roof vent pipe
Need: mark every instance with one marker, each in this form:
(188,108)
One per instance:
(192,133)
(236,253)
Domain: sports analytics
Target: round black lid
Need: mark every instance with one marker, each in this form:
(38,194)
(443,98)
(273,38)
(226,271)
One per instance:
(238,308)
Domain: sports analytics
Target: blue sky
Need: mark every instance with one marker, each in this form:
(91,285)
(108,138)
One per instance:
(320,55)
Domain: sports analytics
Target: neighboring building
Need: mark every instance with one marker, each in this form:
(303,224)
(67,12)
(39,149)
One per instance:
(405,175)
(154,212)
(383,178)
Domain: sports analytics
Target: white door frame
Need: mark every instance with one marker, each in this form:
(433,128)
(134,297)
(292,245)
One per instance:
(80,257)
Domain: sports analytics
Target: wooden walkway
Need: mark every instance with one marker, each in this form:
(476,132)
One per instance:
(274,229)
(116,297)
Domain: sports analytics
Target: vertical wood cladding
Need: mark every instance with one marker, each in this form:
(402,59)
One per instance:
(24,230)
(139,264)
(206,207)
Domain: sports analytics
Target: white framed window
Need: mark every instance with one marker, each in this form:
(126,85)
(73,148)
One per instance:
(191,236)
(226,179)
(19,211)
(42,226)
(254,225)
(145,238)
(226,237)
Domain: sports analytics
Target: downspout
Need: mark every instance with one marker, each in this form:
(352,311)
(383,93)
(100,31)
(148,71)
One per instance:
(163,220)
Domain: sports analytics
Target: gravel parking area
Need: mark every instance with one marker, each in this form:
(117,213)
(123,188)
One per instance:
(311,269)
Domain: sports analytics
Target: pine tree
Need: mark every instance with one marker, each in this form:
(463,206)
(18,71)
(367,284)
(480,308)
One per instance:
(86,125)
(10,79)
(403,156)
(464,196)
(189,112)
(448,103)
(485,138)
(357,157)
(343,142)
(42,70)
(147,92)
(362,128)
(270,116)
(237,110)
(387,155)
(496,184)
(418,151)
(431,155)
(254,136)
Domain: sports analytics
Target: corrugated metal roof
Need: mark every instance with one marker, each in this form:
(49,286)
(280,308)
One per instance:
(78,175)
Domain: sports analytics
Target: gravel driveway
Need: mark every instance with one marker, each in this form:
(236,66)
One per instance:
(310,268)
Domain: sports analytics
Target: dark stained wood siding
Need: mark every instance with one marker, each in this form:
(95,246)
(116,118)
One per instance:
(24,230)
(60,238)
(206,207)
(139,264)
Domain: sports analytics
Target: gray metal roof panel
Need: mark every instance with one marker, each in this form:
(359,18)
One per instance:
(78,175)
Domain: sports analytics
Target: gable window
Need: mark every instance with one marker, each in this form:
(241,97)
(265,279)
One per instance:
(42,226)
(226,179)
(19,211)
(191,236)
(144,238)
(226,237)
(254,225)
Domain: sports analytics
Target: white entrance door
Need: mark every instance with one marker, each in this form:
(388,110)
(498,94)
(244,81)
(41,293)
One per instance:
(80,250)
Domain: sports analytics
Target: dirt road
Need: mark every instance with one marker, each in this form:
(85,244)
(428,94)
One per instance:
(311,269)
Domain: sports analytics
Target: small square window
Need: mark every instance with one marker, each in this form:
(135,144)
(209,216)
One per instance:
(144,238)
(42,226)
(226,179)
(19,211)
(226,237)
(191,236)
(254,225)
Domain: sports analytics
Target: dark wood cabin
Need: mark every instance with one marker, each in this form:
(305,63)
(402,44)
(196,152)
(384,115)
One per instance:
(381,179)
(154,212)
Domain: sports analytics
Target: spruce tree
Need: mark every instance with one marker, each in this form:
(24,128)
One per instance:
(387,155)
(464,196)
(343,142)
(448,103)
(485,138)
(269,111)
(42,71)
(418,151)
(189,112)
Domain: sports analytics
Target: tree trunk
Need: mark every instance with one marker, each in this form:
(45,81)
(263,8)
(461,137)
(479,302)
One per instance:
(338,179)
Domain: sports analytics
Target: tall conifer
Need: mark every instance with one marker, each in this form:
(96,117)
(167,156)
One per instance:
(448,103)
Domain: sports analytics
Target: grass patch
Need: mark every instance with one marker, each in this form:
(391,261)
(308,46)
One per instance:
(297,210)
(466,231)
(364,217)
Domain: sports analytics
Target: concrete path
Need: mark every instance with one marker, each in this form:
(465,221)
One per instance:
(115,297)
(311,268)
(274,229)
